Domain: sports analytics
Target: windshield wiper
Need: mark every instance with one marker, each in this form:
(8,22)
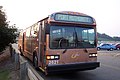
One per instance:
(64,51)
(85,49)
(60,42)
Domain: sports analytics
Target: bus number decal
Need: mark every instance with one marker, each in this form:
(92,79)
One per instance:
(53,61)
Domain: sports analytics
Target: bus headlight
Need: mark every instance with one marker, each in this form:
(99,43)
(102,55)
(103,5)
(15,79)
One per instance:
(93,55)
(52,57)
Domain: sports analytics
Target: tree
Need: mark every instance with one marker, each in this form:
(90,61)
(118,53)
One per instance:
(7,33)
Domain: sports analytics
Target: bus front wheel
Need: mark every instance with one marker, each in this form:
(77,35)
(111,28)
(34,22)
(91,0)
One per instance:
(21,53)
(35,61)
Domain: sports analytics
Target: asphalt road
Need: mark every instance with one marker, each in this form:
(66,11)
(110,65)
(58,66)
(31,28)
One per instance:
(109,69)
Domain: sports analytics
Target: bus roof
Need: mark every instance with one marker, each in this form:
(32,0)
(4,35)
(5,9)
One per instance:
(72,13)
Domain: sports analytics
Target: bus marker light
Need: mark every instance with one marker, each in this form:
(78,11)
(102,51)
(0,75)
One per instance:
(52,57)
(92,55)
(56,57)
(48,57)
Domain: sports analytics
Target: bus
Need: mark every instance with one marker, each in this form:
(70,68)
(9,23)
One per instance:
(63,41)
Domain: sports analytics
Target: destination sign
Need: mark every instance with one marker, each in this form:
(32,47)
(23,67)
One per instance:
(73,18)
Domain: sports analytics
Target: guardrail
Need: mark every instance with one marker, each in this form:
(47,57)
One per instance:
(27,72)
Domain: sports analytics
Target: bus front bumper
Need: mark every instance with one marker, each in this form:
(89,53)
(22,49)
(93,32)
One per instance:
(72,67)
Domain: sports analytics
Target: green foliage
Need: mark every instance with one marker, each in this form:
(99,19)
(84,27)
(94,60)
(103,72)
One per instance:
(4,74)
(2,17)
(7,34)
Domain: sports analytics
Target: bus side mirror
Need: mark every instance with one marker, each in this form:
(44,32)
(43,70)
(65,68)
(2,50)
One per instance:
(47,31)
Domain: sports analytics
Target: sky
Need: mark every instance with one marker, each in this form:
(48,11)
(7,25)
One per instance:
(24,13)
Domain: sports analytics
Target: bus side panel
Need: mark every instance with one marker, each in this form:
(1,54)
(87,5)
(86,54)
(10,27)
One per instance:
(20,41)
(42,45)
(34,39)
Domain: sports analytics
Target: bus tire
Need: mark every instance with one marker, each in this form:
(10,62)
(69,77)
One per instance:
(35,61)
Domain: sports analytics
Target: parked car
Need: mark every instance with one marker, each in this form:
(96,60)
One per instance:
(117,46)
(109,47)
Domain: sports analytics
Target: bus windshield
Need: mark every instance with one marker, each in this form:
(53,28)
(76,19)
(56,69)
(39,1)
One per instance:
(62,37)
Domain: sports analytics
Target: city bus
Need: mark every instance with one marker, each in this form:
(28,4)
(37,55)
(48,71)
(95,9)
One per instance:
(64,41)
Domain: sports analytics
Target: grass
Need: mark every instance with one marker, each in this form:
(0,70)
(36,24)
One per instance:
(4,74)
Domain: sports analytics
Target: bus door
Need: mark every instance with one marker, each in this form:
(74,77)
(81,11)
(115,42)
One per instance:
(42,45)
(23,41)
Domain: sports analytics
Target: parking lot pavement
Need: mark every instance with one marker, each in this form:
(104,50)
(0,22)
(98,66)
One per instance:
(115,53)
